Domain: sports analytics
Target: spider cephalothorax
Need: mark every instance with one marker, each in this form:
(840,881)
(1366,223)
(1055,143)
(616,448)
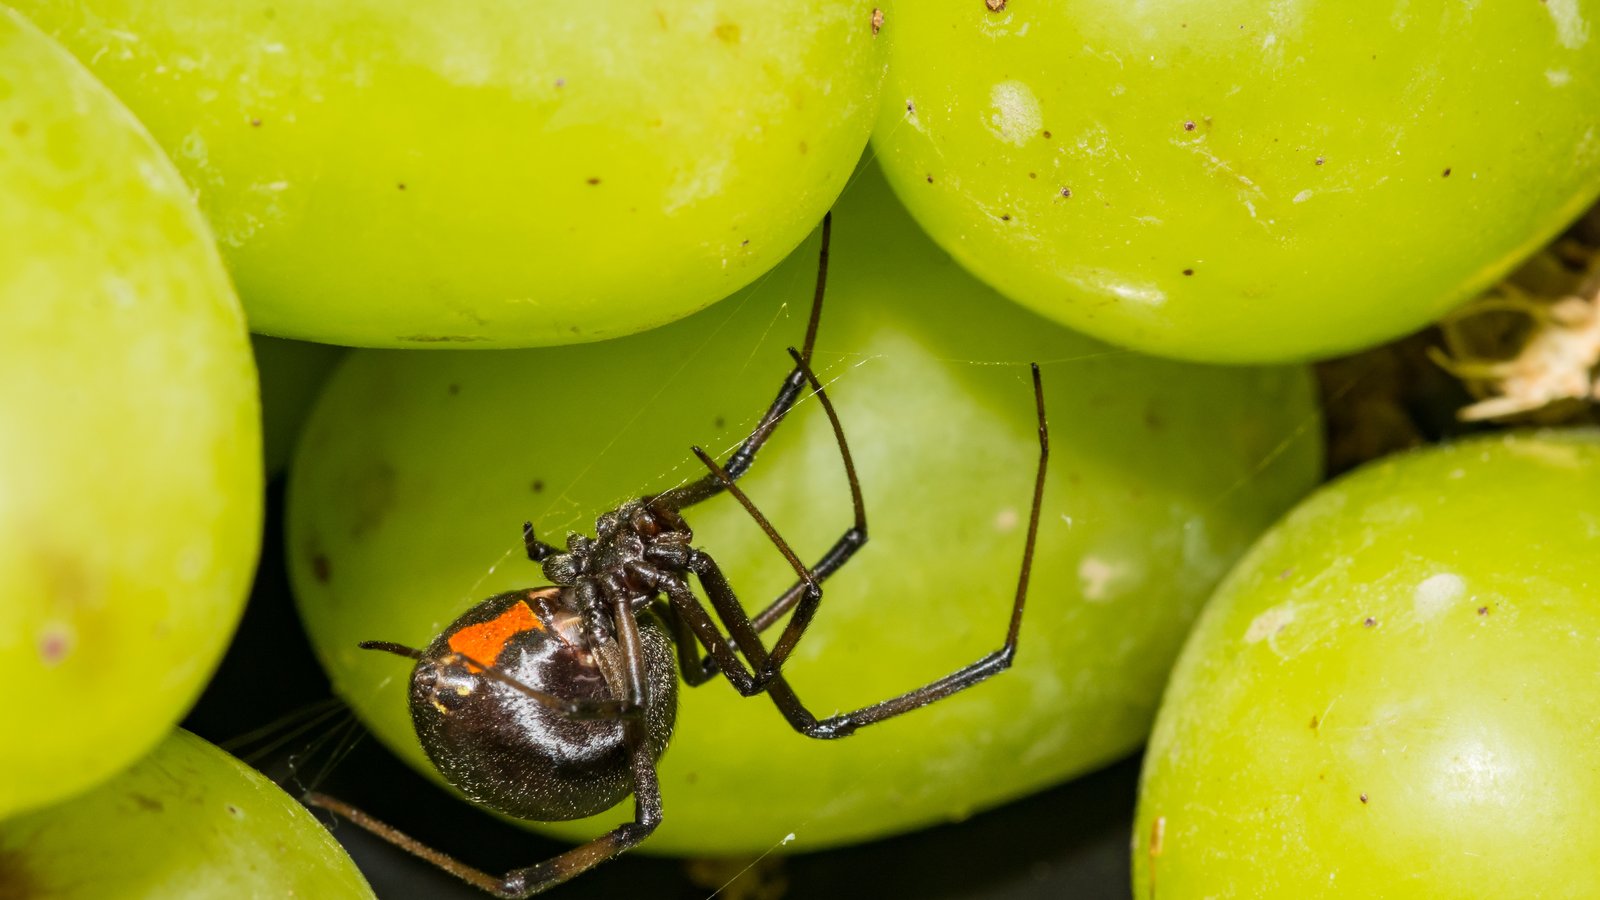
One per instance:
(625,557)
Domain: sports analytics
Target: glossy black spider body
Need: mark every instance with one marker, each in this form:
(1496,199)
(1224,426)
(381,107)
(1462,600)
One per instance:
(516,755)
(556,702)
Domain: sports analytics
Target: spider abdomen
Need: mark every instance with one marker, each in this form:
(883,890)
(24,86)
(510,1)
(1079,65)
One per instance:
(507,750)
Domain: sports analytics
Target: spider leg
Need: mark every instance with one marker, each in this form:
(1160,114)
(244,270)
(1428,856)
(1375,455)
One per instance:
(789,704)
(537,549)
(535,879)
(692,625)
(695,670)
(853,539)
(699,625)
(744,456)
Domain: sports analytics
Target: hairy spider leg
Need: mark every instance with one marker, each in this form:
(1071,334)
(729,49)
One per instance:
(739,462)
(537,549)
(799,596)
(744,456)
(742,634)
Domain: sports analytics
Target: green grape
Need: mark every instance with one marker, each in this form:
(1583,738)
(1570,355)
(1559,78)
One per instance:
(292,374)
(187,821)
(1240,181)
(417,470)
(130,451)
(426,173)
(1393,694)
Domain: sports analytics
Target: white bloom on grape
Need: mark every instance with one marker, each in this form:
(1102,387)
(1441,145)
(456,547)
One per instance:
(1437,592)
(1016,117)
(1571,30)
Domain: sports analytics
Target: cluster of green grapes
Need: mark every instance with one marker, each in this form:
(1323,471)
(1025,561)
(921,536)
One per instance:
(1387,695)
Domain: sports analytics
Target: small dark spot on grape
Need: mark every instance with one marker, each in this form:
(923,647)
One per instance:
(53,648)
(1446,174)
(1188,271)
(745,242)
(1314,723)
(234,811)
(930,179)
(911,107)
(561,82)
(1284,575)
(454,389)
(594,181)
(691,777)
(321,569)
(1033,174)
(727,32)
(1483,610)
(401,185)
(1370,622)
(1066,192)
(1005,217)
(995,5)
(1188,126)
(1046,135)
(1363,798)
(1319,160)
(149,804)
(538,485)
(718,422)
(255,123)
(803,148)
(877,20)
(19,128)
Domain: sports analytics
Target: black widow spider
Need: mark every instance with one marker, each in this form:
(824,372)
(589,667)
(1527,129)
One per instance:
(556,702)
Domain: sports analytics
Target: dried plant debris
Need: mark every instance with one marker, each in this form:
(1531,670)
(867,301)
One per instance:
(1387,399)
(1530,349)
(1527,352)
